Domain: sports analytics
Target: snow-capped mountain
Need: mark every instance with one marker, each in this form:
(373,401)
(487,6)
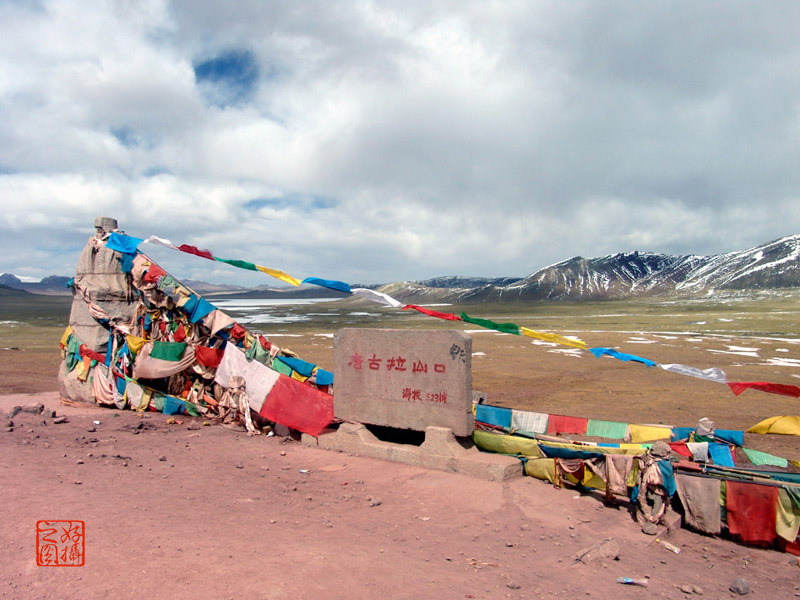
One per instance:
(772,265)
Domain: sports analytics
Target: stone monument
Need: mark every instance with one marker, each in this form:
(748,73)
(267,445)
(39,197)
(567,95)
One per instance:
(407,379)
(101,291)
(414,380)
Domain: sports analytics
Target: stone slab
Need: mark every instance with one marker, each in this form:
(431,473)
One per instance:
(407,379)
(441,450)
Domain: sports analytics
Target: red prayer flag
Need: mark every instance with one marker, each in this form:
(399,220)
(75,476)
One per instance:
(298,405)
(266,345)
(680,448)
(752,510)
(433,313)
(561,424)
(196,251)
(85,352)
(772,388)
(153,274)
(237,331)
(180,333)
(208,357)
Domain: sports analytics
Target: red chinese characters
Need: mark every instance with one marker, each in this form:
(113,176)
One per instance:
(60,543)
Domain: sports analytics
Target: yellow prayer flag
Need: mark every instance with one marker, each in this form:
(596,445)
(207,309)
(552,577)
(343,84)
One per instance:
(65,337)
(553,337)
(135,343)
(649,433)
(278,275)
(782,425)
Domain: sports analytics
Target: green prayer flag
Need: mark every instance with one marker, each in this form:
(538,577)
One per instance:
(281,367)
(191,409)
(172,351)
(242,264)
(762,458)
(504,327)
(158,401)
(607,429)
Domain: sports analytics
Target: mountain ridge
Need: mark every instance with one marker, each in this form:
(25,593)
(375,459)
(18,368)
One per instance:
(772,265)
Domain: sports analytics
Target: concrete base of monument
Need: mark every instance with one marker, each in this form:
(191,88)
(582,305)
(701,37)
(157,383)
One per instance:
(441,450)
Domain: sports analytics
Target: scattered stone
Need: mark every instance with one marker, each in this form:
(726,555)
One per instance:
(740,586)
(240,466)
(375,502)
(60,420)
(162,458)
(77,482)
(606,549)
(513,585)
(91,430)
(697,590)
(686,588)
(36,408)
(14,411)
(79,462)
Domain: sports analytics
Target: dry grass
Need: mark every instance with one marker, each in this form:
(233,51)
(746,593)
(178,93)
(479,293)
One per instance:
(519,372)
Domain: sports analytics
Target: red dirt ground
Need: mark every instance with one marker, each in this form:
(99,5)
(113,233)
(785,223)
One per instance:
(186,511)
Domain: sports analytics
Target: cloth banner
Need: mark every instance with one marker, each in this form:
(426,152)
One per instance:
(762,458)
(714,374)
(752,511)
(147,367)
(258,377)
(782,425)
(196,251)
(172,351)
(494,415)
(122,243)
(788,518)
(532,422)
(561,424)
(553,337)
(298,405)
(503,327)
(279,275)
(303,367)
(217,320)
(433,313)
(153,239)
(607,429)
(721,455)
(700,499)
(649,433)
(764,386)
(197,307)
(340,286)
(598,352)
(173,406)
(208,357)
(378,297)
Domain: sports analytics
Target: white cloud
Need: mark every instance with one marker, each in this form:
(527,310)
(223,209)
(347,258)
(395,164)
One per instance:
(385,140)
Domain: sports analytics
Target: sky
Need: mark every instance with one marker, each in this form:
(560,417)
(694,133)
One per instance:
(371,142)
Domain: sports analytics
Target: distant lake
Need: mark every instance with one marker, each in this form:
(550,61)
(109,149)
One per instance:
(247,304)
(271,311)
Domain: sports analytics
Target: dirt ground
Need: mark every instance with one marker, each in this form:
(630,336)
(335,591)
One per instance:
(186,511)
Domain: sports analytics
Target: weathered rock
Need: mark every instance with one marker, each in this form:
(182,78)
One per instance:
(740,586)
(606,549)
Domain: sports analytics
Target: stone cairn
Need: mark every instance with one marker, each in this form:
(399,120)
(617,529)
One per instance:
(101,291)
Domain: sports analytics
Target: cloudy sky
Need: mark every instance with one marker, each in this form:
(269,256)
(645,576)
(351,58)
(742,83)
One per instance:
(385,141)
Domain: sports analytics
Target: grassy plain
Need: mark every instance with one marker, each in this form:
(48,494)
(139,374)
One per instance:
(752,337)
